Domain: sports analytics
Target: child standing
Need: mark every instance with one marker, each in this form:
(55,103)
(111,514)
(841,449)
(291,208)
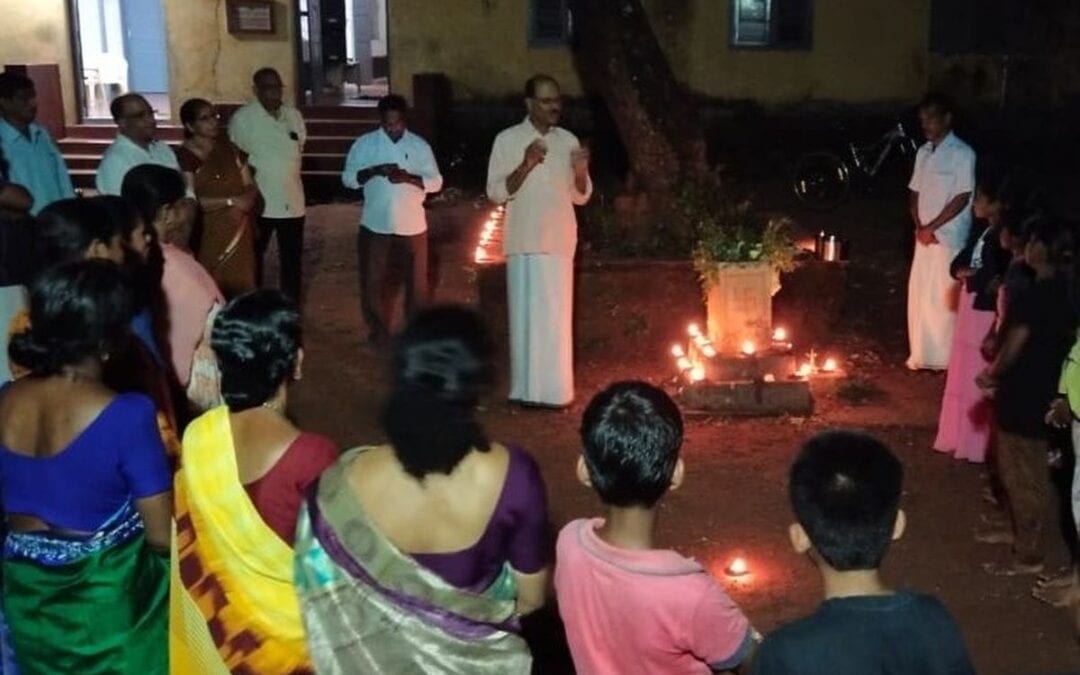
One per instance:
(1064,590)
(845,491)
(1034,340)
(630,607)
(965,420)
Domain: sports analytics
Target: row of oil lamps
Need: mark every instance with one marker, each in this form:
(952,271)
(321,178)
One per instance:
(487,236)
(695,372)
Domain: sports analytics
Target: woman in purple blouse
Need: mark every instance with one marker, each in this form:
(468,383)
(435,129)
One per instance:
(441,533)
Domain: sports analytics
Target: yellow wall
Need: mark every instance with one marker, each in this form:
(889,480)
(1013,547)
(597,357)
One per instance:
(479,44)
(206,61)
(862,50)
(34,32)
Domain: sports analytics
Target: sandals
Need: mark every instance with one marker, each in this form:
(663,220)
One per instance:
(1057,596)
(1062,577)
(1012,568)
(994,536)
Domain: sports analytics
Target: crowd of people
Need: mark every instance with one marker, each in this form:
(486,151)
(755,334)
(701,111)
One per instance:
(994,299)
(261,548)
(164,514)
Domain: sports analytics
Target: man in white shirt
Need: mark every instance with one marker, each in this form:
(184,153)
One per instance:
(272,134)
(396,169)
(941,187)
(541,172)
(134,144)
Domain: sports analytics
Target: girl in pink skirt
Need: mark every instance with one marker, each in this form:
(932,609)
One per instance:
(965,422)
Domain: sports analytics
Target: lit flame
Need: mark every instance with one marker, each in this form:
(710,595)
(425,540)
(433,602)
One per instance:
(684,363)
(805,370)
(481,254)
(748,348)
(693,330)
(780,335)
(829,366)
(737,568)
(677,351)
(709,351)
(697,374)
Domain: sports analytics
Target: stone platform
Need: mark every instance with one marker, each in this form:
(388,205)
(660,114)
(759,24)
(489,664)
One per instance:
(749,398)
(722,368)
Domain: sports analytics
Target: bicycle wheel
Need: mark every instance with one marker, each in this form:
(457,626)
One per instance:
(821,180)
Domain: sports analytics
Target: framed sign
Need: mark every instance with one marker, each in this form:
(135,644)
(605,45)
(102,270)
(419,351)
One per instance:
(250,16)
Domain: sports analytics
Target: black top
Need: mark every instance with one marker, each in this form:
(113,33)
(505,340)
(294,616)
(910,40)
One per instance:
(900,634)
(994,260)
(17,250)
(1026,389)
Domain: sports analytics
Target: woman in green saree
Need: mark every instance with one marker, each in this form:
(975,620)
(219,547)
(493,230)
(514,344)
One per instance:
(419,556)
(86,489)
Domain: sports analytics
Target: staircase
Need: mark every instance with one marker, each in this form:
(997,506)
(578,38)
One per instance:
(331,131)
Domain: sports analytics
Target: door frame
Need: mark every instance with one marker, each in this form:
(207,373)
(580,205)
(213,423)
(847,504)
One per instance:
(312,75)
(75,45)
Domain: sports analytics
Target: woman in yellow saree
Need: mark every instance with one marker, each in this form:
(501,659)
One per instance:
(243,469)
(420,556)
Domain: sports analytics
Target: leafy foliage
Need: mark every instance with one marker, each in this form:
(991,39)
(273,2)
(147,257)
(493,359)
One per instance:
(701,221)
(738,235)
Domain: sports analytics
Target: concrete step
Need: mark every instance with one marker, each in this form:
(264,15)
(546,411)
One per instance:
(96,146)
(331,161)
(319,185)
(317,128)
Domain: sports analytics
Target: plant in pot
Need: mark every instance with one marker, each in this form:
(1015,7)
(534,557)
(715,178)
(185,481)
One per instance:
(738,256)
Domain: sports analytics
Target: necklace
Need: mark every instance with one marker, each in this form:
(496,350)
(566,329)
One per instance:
(270,406)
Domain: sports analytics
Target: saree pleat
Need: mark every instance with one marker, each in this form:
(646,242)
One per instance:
(81,607)
(369,608)
(227,249)
(234,607)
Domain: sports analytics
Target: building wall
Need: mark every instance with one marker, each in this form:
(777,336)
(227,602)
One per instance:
(862,52)
(39,32)
(204,59)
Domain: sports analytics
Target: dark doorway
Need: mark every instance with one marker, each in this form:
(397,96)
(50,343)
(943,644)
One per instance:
(342,51)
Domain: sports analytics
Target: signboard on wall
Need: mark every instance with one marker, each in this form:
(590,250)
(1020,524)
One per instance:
(250,17)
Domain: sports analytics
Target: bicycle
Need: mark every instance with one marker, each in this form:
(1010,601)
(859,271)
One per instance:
(822,179)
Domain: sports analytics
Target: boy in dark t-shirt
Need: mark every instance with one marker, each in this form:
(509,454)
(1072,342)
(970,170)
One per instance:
(845,491)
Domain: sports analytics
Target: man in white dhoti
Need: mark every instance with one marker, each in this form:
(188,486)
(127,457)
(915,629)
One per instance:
(941,187)
(541,172)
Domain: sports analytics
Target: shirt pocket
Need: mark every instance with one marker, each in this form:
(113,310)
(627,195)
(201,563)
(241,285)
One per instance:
(941,181)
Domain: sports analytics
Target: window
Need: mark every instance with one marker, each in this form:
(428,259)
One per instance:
(775,24)
(549,23)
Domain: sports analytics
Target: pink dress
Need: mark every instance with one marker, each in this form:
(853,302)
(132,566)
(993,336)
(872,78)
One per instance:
(190,294)
(966,412)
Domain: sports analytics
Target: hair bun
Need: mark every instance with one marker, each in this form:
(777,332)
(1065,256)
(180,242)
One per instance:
(27,351)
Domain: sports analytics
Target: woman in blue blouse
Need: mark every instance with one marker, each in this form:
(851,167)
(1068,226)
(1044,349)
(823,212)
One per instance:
(85,487)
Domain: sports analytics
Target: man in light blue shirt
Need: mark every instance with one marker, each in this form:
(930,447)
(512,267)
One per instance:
(35,161)
(134,144)
(397,170)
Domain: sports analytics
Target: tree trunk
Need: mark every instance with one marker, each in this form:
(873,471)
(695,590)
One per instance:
(619,58)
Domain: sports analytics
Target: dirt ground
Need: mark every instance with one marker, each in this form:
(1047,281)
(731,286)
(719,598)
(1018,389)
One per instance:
(733,500)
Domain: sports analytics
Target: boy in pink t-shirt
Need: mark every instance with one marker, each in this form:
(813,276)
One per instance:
(629,607)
